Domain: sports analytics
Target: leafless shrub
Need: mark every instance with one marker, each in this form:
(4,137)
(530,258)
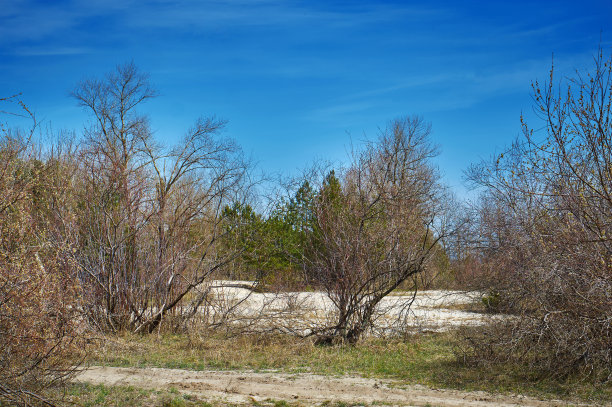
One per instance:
(545,222)
(376,227)
(39,324)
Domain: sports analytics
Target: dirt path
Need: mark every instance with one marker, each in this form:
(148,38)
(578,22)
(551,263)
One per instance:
(307,389)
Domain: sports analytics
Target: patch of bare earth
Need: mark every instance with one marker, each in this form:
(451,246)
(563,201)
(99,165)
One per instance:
(307,389)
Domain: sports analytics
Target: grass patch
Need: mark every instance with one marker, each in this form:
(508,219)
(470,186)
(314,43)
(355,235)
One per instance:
(427,359)
(87,395)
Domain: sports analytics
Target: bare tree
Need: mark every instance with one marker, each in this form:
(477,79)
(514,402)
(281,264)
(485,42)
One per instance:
(150,216)
(205,175)
(113,201)
(376,227)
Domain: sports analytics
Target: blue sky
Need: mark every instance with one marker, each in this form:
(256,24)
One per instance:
(301,80)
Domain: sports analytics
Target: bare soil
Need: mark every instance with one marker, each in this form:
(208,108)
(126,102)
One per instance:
(306,389)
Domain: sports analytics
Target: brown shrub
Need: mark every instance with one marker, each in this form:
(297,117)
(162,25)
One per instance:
(545,229)
(38,295)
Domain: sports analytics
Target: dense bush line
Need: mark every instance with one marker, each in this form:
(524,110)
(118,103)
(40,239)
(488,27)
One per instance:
(544,231)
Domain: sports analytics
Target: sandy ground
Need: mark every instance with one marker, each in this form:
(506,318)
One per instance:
(303,311)
(299,312)
(305,389)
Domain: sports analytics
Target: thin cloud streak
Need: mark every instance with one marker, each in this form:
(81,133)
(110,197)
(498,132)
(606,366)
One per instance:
(31,20)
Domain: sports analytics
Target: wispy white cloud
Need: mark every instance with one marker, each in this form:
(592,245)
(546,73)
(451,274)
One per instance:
(34,20)
(435,92)
(212,14)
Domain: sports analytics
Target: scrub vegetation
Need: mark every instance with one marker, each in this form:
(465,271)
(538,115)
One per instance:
(113,245)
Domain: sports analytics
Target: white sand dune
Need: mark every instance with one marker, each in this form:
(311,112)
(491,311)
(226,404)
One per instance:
(303,311)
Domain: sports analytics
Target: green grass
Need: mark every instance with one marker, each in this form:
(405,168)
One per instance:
(428,359)
(87,395)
